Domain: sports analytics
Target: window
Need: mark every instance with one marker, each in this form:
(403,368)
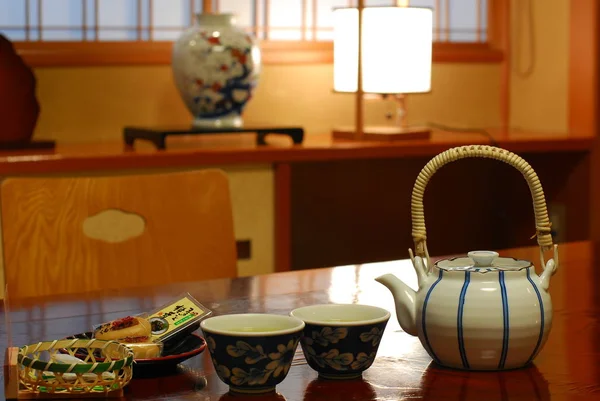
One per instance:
(58,32)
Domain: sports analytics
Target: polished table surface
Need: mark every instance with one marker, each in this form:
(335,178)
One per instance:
(568,367)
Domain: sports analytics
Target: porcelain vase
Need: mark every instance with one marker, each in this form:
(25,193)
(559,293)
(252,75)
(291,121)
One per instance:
(216,67)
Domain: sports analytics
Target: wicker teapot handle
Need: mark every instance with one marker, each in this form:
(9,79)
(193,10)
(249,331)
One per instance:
(542,222)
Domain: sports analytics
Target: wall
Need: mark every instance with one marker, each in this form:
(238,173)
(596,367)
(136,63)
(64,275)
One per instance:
(91,104)
(539,98)
(95,103)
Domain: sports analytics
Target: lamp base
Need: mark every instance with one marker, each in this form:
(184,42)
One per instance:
(383,133)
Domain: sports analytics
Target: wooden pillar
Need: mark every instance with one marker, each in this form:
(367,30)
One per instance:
(584,90)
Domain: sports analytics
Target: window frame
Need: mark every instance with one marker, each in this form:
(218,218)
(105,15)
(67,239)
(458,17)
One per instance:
(120,53)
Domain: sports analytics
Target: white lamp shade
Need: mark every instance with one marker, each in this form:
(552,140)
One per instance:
(396,49)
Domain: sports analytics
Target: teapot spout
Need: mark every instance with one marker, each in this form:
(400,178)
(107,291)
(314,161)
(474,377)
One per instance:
(405,302)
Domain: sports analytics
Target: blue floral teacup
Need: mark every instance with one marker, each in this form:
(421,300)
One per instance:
(252,352)
(340,341)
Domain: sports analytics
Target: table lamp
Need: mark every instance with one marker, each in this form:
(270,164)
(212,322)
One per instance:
(395,54)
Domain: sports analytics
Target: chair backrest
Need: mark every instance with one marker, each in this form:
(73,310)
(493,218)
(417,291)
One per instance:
(76,234)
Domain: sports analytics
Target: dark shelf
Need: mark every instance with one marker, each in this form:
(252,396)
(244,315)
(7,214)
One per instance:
(158,135)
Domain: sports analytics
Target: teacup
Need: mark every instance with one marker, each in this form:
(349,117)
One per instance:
(340,341)
(252,352)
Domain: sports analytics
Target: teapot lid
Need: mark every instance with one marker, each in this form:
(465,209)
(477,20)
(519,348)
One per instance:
(483,261)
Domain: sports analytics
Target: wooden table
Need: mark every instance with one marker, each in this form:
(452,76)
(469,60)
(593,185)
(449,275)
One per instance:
(568,367)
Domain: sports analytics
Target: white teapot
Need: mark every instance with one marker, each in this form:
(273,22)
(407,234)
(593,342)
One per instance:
(481,311)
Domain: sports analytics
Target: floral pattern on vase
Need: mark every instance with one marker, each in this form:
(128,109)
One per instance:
(216,67)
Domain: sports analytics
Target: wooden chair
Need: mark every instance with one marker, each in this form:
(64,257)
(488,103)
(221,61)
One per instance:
(68,235)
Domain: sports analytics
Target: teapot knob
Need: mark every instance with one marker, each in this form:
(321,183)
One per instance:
(483,258)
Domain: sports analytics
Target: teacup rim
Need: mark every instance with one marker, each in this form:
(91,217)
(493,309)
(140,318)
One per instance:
(356,323)
(299,327)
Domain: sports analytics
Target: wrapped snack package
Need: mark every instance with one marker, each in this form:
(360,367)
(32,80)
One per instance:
(146,334)
(134,332)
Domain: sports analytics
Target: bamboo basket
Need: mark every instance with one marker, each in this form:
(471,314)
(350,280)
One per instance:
(40,374)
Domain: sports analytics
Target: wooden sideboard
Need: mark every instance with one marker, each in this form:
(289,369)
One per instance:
(339,203)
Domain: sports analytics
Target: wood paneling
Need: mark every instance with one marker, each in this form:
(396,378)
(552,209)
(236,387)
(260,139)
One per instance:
(583,66)
(584,90)
(358,211)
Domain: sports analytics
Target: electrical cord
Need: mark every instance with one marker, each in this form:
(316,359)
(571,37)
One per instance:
(449,128)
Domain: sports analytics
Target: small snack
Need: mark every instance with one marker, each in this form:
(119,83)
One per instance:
(149,335)
(146,350)
(129,329)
